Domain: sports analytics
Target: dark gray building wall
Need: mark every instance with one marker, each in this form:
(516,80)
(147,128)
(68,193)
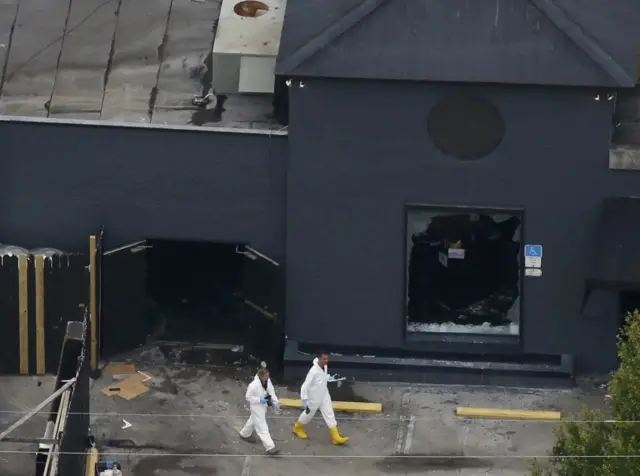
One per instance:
(360,151)
(59,183)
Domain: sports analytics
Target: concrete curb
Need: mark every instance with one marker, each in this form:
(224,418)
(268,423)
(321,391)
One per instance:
(354,407)
(92,461)
(505,414)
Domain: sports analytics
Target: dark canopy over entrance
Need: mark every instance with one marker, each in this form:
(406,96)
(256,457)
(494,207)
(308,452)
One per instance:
(617,254)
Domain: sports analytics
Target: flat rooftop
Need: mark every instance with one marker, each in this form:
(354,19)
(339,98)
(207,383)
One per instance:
(120,61)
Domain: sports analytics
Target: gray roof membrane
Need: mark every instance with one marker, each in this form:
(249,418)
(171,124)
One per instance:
(124,61)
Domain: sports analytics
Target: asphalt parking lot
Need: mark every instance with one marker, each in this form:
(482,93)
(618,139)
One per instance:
(187,424)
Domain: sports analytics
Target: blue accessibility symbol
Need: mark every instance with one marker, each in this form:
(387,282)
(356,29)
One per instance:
(533,251)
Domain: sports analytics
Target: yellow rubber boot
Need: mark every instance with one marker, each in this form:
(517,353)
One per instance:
(298,430)
(336,439)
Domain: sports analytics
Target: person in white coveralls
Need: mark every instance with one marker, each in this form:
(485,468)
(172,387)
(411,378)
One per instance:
(315,396)
(260,395)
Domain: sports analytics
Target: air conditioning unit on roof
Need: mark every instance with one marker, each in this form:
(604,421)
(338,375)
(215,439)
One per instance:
(246,46)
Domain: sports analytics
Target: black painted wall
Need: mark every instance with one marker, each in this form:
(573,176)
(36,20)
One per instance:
(60,183)
(360,151)
(10,312)
(66,288)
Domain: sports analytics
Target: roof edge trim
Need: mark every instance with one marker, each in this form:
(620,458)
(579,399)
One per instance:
(328,35)
(590,47)
(283,131)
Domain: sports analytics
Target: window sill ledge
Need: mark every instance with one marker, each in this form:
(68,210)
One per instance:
(456,346)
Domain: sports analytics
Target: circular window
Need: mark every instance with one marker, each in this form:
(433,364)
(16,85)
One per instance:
(465,126)
(250,8)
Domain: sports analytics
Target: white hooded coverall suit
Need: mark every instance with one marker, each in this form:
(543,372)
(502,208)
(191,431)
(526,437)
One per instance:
(315,391)
(258,419)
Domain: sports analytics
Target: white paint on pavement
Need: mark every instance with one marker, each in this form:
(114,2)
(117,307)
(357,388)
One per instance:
(397,449)
(147,377)
(246,466)
(408,440)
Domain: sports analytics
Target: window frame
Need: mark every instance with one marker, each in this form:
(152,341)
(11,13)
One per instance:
(498,340)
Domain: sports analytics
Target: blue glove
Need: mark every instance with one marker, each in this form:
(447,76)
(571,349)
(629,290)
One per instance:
(276,407)
(263,400)
(305,404)
(331,378)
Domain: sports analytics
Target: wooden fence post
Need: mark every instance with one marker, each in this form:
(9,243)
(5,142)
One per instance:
(23,300)
(92,302)
(40,320)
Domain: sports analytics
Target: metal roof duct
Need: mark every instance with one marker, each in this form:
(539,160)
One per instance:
(246,45)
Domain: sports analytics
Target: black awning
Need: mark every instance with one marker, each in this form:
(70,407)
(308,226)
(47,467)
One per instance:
(617,253)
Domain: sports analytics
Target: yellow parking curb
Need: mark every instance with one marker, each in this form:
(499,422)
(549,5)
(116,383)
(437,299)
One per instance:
(505,414)
(92,461)
(355,407)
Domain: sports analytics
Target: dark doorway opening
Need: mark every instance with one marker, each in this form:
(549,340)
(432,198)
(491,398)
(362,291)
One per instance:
(200,303)
(194,292)
(214,303)
(629,302)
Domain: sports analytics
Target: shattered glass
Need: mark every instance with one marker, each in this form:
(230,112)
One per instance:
(464,271)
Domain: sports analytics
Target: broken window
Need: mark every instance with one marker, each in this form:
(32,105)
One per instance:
(463,272)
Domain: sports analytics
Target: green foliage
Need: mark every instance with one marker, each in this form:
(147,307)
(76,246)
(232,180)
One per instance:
(598,438)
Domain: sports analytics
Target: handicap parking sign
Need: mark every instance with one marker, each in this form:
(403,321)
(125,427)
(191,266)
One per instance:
(533,251)
(532,259)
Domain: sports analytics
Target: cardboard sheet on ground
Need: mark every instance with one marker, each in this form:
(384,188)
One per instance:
(132,387)
(121,369)
(127,389)
(111,390)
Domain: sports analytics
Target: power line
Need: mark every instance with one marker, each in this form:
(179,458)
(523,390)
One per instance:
(343,418)
(333,456)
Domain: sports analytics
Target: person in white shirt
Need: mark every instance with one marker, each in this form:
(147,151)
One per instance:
(315,396)
(260,395)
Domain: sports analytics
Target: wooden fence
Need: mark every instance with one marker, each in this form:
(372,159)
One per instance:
(40,291)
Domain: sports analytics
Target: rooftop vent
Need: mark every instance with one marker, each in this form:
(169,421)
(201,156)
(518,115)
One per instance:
(246,46)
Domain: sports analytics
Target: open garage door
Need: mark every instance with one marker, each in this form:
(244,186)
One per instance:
(122,305)
(264,297)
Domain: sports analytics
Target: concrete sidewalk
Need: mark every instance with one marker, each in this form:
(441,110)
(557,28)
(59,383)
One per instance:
(19,395)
